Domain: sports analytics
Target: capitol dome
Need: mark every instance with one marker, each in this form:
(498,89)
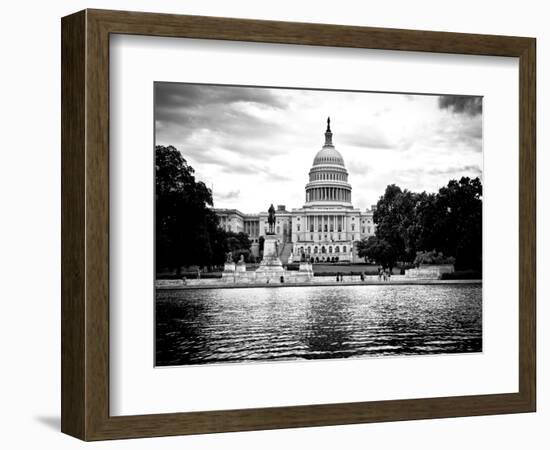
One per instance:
(328,178)
(328,155)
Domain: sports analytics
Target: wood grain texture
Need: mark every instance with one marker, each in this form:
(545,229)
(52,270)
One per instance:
(85,224)
(73,112)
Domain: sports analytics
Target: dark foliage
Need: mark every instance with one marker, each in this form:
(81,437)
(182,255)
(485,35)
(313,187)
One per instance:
(187,231)
(449,222)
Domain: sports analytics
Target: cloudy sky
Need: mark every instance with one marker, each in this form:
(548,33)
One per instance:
(255,146)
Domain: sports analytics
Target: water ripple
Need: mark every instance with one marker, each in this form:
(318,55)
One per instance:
(232,325)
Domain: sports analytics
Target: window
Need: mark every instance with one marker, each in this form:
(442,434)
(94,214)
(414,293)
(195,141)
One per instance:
(298,227)
(337,249)
(344,249)
(352,227)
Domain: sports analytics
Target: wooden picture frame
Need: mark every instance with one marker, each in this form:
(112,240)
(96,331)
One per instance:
(85,224)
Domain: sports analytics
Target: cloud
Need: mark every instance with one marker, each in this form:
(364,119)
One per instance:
(231,195)
(256,145)
(184,95)
(201,120)
(461,104)
(367,138)
(454,170)
(358,167)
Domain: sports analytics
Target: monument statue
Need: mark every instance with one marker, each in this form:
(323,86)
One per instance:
(229,257)
(271,219)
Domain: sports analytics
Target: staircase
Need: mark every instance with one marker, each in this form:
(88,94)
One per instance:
(284,254)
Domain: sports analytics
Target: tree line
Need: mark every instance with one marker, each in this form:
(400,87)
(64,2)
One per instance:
(413,228)
(410,227)
(187,230)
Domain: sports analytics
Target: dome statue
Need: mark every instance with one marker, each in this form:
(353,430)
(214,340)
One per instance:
(328,154)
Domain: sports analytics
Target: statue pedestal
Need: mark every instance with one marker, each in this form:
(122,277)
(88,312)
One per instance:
(229,267)
(271,267)
(241,267)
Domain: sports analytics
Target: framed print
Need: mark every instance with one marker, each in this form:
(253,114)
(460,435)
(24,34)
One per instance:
(272,225)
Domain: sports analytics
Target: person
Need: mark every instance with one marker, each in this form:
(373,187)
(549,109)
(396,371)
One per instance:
(389,274)
(384,275)
(282,279)
(198,273)
(379,273)
(337,277)
(362,276)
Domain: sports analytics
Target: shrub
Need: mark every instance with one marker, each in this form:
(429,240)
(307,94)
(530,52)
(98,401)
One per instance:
(432,257)
(462,275)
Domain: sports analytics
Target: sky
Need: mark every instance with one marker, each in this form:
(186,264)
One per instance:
(255,146)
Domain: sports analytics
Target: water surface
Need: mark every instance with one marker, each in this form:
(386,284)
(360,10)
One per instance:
(201,326)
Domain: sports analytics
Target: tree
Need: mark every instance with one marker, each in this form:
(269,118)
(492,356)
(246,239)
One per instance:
(448,222)
(238,244)
(460,227)
(186,228)
(378,250)
(395,221)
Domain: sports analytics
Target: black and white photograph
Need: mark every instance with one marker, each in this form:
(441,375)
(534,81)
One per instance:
(304,224)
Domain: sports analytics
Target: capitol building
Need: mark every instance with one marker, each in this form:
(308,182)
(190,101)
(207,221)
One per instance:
(325,229)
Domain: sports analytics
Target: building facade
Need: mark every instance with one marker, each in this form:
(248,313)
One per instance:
(326,228)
